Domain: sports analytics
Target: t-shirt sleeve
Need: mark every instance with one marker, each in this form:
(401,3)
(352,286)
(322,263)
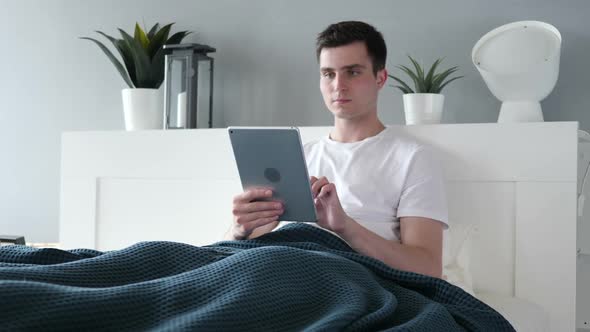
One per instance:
(423,193)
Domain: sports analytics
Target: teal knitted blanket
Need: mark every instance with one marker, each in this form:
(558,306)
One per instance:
(298,278)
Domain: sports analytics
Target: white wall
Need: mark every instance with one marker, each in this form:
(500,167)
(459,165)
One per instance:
(266,71)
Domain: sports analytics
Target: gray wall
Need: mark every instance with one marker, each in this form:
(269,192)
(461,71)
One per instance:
(266,72)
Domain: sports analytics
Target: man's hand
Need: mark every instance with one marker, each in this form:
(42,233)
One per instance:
(329,210)
(251,215)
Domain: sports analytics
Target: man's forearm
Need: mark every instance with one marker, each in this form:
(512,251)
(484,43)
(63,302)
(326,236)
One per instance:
(396,255)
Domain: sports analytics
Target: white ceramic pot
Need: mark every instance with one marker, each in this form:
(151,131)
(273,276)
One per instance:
(423,108)
(143,109)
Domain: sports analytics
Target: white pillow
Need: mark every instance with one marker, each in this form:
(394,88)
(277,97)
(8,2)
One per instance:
(457,255)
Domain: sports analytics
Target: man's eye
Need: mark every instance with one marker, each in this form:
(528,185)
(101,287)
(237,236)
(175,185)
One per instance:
(354,72)
(328,75)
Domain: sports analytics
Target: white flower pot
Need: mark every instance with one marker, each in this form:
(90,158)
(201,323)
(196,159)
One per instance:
(423,108)
(143,109)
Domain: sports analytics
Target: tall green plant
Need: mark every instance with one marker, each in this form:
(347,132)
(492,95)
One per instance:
(429,83)
(142,54)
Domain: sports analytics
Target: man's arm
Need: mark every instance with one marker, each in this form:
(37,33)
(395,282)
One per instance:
(420,250)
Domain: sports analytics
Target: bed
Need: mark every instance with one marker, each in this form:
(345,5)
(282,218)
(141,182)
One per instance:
(511,188)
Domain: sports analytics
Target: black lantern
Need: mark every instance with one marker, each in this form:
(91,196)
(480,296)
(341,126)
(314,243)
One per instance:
(188,86)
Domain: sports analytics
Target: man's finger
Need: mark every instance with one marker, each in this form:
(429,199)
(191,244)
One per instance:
(250,217)
(315,188)
(252,194)
(263,221)
(256,206)
(326,190)
(312,180)
(318,184)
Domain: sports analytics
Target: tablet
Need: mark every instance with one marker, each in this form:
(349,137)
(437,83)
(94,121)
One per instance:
(273,157)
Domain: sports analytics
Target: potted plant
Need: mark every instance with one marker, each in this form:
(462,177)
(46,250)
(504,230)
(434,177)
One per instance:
(424,104)
(142,70)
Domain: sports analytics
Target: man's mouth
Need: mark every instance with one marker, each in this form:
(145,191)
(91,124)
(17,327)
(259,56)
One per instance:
(341,101)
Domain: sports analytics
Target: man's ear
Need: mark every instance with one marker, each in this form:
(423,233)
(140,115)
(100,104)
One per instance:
(381,77)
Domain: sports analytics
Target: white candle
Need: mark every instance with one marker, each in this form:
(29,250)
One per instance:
(181,109)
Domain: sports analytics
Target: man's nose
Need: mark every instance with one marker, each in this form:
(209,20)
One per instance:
(340,83)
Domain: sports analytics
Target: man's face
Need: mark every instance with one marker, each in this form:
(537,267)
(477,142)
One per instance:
(347,81)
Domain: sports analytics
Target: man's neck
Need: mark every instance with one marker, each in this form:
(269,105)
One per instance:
(348,130)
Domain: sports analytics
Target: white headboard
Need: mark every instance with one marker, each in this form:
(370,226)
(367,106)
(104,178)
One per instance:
(515,182)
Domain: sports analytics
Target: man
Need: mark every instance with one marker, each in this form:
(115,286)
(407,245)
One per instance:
(379,191)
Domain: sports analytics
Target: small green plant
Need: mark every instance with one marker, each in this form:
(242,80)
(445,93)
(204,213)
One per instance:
(431,83)
(142,54)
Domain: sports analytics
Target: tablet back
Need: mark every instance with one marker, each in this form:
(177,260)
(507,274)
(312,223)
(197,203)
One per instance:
(273,157)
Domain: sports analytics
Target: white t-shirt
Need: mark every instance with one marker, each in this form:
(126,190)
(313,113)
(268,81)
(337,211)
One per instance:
(381,178)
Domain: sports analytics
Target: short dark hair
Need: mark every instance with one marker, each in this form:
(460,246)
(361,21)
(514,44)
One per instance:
(348,32)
